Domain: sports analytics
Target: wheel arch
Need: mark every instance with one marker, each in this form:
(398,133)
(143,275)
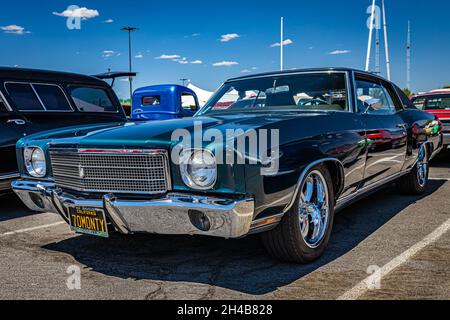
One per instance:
(337,173)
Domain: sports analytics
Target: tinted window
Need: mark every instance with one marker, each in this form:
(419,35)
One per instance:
(151,101)
(89,99)
(300,92)
(188,102)
(374,98)
(23,97)
(52,97)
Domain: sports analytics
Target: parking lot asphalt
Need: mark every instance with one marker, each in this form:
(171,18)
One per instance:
(400,243)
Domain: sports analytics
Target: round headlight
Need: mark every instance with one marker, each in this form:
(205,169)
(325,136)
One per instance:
(35,162)
(198,169)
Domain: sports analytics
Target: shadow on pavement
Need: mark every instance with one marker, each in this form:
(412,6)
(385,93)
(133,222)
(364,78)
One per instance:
(12,208)
(240,265)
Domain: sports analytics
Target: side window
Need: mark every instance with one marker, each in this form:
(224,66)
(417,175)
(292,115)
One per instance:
(374,98)
(188,102)
(52,97)
(23,97)
(420,103)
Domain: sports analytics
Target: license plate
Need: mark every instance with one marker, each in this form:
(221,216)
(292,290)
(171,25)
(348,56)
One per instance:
(88,221)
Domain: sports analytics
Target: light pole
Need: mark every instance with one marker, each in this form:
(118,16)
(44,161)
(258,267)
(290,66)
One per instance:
(130,30)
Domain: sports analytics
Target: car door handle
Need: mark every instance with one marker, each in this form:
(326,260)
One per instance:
(19,122)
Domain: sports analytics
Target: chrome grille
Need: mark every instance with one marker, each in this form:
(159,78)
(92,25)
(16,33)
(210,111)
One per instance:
(117,171)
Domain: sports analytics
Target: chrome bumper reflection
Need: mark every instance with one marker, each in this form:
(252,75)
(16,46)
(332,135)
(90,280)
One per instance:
(172,214)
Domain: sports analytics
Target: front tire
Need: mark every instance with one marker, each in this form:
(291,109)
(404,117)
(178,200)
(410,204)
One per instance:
(303,234)
(416,181)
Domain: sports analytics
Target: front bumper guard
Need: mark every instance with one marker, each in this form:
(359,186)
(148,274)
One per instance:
(172,214)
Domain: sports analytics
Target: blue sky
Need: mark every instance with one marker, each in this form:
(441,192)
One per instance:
(191,32)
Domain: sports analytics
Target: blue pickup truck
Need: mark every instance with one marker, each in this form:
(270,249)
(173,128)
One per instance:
(163,102)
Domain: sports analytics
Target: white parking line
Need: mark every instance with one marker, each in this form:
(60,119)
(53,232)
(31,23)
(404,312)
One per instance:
(362,287)
(31,229)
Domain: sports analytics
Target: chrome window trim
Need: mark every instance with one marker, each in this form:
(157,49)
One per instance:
(31,84)
(8,107)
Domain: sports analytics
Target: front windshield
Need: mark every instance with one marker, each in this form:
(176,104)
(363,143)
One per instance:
(284,93)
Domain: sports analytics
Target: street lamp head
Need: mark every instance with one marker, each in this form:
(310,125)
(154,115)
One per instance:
(129,28)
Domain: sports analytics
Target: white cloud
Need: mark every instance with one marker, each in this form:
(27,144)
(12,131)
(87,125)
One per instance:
(108,53)
(336,52)
(109,21)
(195,34)
(168,57)
(229,37)
(83,13)
(14,29)
(285,43)
(183,60)
(225,64)
(197,62)
(246,71)
(139,56)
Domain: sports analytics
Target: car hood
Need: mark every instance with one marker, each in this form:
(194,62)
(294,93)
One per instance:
(159,134)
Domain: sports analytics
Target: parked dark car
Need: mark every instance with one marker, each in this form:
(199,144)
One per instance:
(33,101)
(164,102)
(358,133)
(437,103)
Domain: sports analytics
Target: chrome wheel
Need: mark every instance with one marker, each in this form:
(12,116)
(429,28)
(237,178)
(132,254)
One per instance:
(422,167)
(314,209)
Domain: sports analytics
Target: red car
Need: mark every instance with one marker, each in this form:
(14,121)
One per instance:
(438,103)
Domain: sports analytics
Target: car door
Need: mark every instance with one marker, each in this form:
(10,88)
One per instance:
(12,128)
(386,131)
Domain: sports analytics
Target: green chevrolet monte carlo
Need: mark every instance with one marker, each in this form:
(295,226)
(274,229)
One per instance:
(276,153)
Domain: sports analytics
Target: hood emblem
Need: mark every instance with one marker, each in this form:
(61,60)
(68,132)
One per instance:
(81,172)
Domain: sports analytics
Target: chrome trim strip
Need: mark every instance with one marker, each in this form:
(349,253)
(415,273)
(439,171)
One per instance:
(342,201)
(2,97)
(9,176)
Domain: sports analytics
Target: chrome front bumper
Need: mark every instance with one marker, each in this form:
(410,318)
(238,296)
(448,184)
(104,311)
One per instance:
(172,214)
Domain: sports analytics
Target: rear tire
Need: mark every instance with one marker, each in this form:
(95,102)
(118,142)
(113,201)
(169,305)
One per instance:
(303,234)
(416,181)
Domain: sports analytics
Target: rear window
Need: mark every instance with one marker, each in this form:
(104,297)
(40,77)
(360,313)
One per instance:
(89,99)
(151,101)
(23,97)
(440,102)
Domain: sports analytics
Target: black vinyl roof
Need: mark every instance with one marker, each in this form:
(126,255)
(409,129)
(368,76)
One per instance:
(46,75)
(294,71)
